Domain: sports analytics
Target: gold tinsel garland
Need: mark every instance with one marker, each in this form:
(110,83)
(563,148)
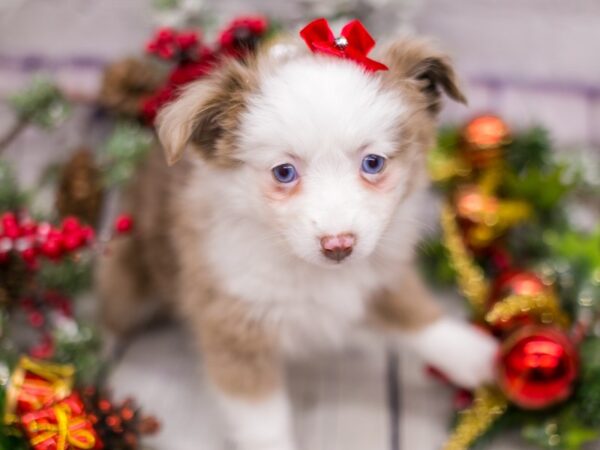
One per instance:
(480,166)
(470,277)
(488,405)
(544,306)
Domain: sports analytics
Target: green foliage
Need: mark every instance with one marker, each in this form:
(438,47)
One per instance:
(544,188)
(448,139)
(68,275)
(529,149)
(559,428)
(11,197)
(79,345)
(581,249)
(41,103)
(166,4)
(547,241)
(435,263)
(125,150)
(588,392)
(9,440)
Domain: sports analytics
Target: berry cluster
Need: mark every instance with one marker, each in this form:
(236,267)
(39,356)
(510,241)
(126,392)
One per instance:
(242,35)
(24,237)
(169,44)
(193,59)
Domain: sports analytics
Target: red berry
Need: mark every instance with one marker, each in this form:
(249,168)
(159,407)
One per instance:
(88,234)
(70,224)
(29,227)
(44,349)
(44,229)
(52,247)
(12,230)
(27,303)
(73,240)
(29,255)
(166,52)
(165,34)
(9,219)
(6,244)
(36,319)
(186,40)
(123,224)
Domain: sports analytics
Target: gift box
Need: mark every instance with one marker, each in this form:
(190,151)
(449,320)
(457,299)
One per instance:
(35,384)
(61,426)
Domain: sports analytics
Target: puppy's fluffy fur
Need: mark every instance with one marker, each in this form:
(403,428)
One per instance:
(238,253)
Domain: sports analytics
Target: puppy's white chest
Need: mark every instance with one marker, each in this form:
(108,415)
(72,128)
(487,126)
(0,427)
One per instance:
(310,306)
(310,311)
(320,314)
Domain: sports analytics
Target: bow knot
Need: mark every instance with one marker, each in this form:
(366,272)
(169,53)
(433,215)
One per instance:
(62,426)
(354,43)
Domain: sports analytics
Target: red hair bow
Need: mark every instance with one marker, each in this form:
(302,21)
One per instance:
(354,43)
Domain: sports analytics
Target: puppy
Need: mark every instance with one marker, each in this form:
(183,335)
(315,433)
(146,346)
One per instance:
(288,222)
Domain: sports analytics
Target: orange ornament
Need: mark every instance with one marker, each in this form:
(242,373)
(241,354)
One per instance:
(483,139)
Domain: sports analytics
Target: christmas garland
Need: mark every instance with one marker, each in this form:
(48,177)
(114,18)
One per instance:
(529,277)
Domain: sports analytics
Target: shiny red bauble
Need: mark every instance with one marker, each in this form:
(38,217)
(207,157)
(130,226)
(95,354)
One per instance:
(537,367)
(515,282)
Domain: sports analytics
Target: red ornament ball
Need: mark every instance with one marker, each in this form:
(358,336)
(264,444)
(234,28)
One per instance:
(515,282)
(537,367)
(124,224)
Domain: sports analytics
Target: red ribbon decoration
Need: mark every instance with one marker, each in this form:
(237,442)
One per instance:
(61,426)
(355,42)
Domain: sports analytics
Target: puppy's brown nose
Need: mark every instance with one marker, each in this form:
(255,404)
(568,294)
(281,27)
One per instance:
(337,247)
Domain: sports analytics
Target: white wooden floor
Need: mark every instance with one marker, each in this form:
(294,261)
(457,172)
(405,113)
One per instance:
(362,399)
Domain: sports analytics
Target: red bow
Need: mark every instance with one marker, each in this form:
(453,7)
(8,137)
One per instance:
(354,43)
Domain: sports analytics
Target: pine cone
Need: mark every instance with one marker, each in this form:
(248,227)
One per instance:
(126,83)
(118,425)
(80,188)
(13,281)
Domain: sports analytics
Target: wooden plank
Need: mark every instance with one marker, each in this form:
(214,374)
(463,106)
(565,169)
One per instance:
(339,400)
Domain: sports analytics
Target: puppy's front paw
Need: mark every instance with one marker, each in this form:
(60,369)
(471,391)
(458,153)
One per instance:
(462,352)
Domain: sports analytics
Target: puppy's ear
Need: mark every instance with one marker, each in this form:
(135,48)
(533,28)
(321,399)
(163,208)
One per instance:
(418,61)
(205,115)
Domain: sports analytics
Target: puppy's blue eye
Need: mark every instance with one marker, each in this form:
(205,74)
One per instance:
(372,164)
(285,173)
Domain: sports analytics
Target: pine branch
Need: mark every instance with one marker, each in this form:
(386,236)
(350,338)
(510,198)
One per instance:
(13,133)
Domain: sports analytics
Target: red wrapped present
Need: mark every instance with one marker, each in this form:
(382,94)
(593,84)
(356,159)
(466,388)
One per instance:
(36,384)
(61,426)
